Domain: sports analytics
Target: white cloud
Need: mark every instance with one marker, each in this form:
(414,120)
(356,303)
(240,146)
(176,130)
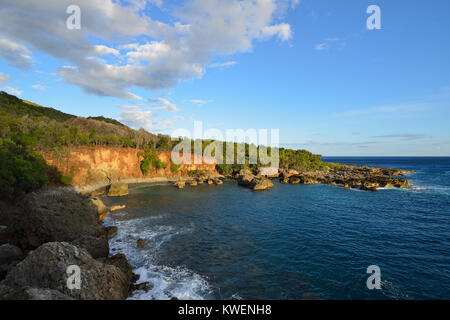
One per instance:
(38,86)
(171,52)
(136,118)
(15,53)
(321,46)
(166,105)
(15,92)
(179,117)
(4,78)
(222,64)
(104,50)
(200,102)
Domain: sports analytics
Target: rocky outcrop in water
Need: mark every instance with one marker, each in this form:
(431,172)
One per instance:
(352,176)
(245,178)
(118,190)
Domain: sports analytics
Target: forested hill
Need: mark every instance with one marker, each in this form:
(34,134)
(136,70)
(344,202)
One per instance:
(26,128)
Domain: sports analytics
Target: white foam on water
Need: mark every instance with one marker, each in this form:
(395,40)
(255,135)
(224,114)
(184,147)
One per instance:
(168,282)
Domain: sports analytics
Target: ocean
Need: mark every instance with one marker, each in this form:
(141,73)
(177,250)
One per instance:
(294,241)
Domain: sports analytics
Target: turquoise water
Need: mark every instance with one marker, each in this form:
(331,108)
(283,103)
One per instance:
(293,242)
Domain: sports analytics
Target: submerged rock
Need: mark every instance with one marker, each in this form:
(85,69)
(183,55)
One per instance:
(116,208)
(140,243)
(118,190)
(180,184)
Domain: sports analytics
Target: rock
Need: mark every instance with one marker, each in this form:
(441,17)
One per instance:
(270,172)
(98,192)
(116,208)
(144,286)
(180,184)
(120,261)
(174,298)
(111,232)
(10,256)
(118,190)
(98,247)
(140,243)
(193,183)
(294,180)
(210,182)
(200,181)
(46,267)
(49,216)
(102,210)
(8,293)
(245,172)
(218,181)
(245,180)
(260,184)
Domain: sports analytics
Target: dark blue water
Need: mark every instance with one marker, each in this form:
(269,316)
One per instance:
(293,242)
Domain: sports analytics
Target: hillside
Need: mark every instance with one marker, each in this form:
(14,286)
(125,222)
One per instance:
(28,130)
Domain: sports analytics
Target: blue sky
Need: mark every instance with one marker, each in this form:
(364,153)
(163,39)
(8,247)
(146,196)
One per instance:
(310,68)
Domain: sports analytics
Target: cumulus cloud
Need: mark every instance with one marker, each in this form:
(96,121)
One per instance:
(165,105)
(15,53)
(104,50)
(166,53)
(4,78)
(13,91)
(136,118)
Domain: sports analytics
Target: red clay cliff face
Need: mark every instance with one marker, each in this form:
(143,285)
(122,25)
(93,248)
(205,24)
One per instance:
(90,166)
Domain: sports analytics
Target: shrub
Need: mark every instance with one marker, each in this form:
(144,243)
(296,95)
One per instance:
(174,168)
(150,159)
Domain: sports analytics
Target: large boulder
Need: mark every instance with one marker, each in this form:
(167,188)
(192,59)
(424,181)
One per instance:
(120,261)
(102,210)
(260,184)
(46,267)
(8,293)
(48,216)
(118,190)
(10,256)
(98,247)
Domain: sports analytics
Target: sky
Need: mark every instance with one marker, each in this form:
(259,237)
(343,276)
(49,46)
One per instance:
(309,68)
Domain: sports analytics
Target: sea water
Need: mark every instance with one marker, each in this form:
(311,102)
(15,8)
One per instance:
(292,242)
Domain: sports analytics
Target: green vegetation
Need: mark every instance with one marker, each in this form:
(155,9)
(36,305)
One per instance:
(26,128)
(22,171)
(174,168)
(199,173)
(107,120)
(150,160)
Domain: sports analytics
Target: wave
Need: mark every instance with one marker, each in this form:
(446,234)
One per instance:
(168,282)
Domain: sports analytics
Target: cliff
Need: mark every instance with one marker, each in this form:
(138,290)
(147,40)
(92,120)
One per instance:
(94,167)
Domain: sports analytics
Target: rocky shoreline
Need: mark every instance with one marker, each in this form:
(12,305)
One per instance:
(47,231)
(347,176)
